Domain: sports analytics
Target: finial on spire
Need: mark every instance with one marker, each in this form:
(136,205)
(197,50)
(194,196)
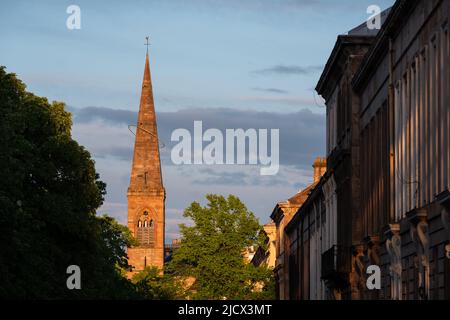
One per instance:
(147,43)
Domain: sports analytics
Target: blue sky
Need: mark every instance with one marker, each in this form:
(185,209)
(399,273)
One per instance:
(259,58)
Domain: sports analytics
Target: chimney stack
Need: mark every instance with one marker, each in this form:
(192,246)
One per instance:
(320,167)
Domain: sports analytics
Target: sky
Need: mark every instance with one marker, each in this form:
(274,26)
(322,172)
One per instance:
(229,63)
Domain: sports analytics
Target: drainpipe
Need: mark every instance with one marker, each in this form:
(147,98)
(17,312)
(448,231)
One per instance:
(391,114)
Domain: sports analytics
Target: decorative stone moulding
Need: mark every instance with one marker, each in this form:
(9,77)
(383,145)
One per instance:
(372,245)
(419,231)
(394,249)
(444,200)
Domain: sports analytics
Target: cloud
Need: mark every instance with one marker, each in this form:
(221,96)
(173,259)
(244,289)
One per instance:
(302,134)
(218,176)
(104,132)
(116,210)
(270,90)
(104,139)
(114,116)
(257,6)
(246,176)
(288,101)
(288,70)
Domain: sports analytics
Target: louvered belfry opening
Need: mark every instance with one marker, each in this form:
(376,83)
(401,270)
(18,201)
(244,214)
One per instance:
(146,231)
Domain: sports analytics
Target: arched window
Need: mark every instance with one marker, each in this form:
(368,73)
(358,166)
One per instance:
(145,231)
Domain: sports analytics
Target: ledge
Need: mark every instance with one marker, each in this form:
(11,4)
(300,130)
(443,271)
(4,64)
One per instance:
(444,199)
(417,215)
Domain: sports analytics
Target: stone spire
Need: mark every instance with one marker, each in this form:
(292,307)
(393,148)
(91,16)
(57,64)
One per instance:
(146,167)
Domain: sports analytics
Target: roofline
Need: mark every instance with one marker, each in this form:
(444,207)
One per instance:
(275,212)
(399,13)
(288,203)
(314,193)
(341,42)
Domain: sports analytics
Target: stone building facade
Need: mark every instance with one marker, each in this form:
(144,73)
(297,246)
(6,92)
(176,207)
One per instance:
(146,194)
(341,189)
(404,88)
(307,239)
(385,198)
(282,215)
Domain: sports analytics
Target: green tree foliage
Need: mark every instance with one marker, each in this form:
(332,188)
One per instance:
(151,284)
(49,192)
(212,251)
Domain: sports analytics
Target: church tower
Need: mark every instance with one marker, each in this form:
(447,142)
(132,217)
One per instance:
(146,194)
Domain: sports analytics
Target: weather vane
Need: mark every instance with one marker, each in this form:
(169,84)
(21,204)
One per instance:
(147,43)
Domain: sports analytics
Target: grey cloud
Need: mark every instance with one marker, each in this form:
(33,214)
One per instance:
(120,152)
(302,134)
(114,116)
(270,90)
(256,5)
(220,177)
(288,70)
(243,176)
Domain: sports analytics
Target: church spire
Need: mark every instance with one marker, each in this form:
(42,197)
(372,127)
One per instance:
(147,43)
(146,194)
(146,167)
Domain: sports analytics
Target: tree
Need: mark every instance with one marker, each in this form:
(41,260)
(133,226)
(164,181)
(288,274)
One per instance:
(153,285)
(212,251)
(49,193)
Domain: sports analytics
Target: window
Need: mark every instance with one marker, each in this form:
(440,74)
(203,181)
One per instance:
(145,230)
(151,237)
